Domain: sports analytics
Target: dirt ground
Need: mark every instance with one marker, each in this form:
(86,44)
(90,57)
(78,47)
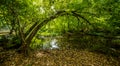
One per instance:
(58,58)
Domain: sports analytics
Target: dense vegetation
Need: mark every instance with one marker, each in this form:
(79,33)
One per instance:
(91,24)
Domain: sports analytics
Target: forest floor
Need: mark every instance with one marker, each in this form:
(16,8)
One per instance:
(65,57)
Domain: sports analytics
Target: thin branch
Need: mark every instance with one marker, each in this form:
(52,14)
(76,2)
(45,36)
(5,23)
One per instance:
(78,15)
(90,13)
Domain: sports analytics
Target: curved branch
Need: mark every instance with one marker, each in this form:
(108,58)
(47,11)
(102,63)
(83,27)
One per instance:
(78,15)
(27,32)
(33,30)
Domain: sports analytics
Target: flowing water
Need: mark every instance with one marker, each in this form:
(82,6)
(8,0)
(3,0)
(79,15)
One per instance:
(50,44)
(47,43)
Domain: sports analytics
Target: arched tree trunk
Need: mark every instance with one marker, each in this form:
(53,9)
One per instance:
(28,36)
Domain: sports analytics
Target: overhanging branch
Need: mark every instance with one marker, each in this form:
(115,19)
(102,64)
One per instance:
(33,30)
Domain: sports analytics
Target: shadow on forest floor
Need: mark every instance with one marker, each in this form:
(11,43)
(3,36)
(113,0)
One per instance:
(94,44)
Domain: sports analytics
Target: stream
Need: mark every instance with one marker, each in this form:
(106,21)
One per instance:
(47,43)
(50,44)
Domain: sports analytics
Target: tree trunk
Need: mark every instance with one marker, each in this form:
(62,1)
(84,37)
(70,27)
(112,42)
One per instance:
(25,49)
